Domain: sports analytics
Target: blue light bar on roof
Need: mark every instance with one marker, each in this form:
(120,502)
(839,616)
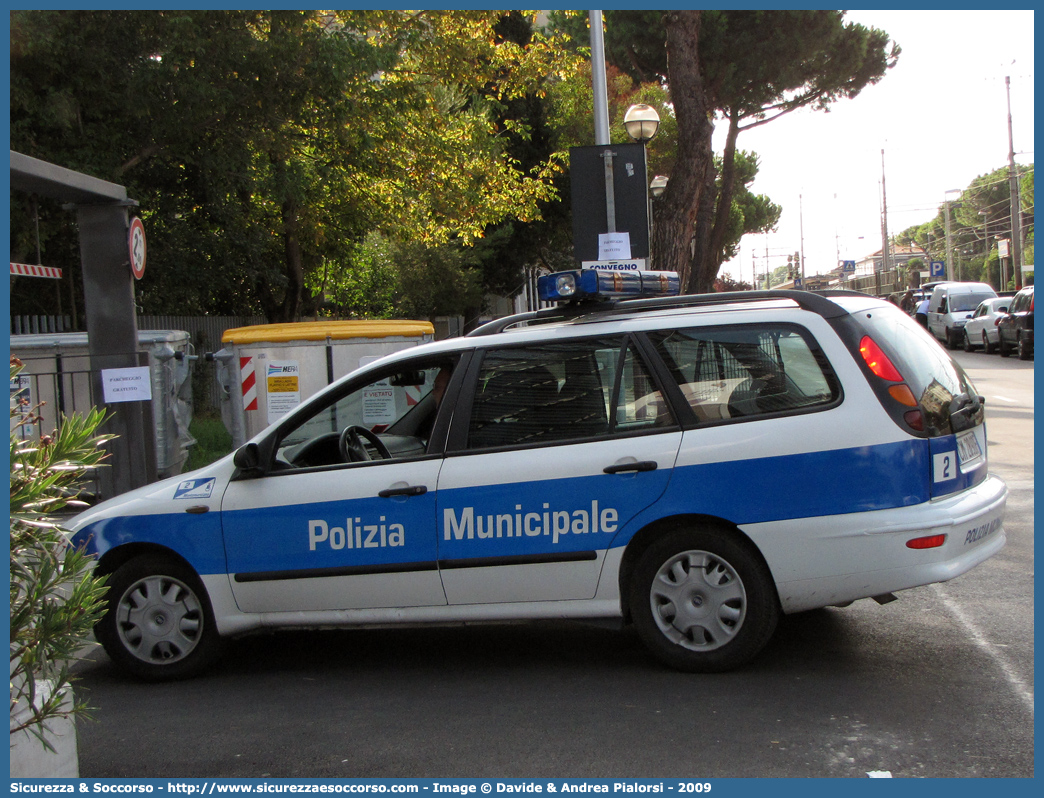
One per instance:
(594,284)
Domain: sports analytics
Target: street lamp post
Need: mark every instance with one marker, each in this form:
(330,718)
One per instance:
(641,122)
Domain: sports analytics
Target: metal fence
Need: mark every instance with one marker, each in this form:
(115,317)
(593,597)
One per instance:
(55,385)
(32,325)
(878,284)
(204,332)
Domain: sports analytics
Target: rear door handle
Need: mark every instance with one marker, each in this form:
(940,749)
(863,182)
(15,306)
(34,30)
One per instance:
(641,465)
(409,490)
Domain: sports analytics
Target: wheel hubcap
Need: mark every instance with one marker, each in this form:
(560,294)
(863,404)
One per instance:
(698,600)
(159,620)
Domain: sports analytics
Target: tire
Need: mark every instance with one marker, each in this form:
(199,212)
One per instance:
(159,624)
(968,345)
(952,341)
(703,601)
(1024,349)
(987,347)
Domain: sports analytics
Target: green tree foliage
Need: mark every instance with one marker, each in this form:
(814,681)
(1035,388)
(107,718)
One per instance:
(264,145)
(55,600)
(978,218)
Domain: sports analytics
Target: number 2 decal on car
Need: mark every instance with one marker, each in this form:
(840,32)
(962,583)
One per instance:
(944,466)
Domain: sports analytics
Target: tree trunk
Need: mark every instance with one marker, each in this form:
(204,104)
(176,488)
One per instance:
(716,208)
(676,216)
(294,263)
(695,282)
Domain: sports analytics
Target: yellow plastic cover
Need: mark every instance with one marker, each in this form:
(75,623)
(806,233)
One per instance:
(321,330)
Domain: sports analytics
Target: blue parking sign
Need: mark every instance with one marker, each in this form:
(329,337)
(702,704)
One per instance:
(938,269)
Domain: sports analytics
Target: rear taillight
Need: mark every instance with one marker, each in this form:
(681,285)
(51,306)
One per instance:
(878,362)
(903,395)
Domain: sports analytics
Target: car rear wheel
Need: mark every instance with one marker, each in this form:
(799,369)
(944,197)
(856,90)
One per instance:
(702,600)
(159,624)
(987,347)
(1024,348)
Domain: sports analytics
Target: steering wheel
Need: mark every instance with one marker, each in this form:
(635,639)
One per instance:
(352,448)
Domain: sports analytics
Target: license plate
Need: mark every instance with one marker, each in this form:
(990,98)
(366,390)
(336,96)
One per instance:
(968,447)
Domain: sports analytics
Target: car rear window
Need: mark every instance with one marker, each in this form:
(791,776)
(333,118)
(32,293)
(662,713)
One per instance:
(934,377)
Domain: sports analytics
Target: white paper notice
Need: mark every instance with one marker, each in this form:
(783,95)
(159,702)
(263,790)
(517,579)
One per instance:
(126,385)
(378,405)
(284,388)
(614,246)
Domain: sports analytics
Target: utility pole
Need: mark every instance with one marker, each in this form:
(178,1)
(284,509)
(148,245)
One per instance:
(884,218)
(949,244)
(1016,205)
(801,229)
(949,241)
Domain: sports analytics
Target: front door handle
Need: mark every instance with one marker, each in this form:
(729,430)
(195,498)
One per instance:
(640,465)
(408,490)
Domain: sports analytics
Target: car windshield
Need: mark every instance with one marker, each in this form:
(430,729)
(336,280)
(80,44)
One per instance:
(965,302)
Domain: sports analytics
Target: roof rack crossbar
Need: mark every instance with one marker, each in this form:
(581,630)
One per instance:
(813,301)
(817,302)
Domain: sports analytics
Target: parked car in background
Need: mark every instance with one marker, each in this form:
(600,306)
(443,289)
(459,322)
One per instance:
(951,306)
(981,329)
(1015,328)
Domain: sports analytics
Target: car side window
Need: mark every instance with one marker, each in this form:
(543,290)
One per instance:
(391,415)
(563,391)
(747,371)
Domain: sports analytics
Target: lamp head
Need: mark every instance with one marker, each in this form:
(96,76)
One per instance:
(641,122)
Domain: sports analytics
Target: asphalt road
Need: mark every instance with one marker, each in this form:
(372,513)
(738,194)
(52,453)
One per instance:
(937,684)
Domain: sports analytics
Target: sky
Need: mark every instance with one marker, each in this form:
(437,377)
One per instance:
(940,116)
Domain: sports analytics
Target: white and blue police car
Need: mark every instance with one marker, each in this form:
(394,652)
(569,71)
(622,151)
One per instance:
(694,465)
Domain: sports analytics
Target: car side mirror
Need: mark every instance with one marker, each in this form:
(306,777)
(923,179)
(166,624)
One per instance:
(248,459)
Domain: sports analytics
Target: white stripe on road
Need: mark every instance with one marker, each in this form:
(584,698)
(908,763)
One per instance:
(1018,685)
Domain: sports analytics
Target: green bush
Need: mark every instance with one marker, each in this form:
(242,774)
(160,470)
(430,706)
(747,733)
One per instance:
(55,599)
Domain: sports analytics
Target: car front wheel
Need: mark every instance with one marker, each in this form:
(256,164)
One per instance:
(987,347)
(702,600)
(159,624)
(968,345)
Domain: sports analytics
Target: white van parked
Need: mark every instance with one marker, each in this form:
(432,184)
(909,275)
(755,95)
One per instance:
(951,305)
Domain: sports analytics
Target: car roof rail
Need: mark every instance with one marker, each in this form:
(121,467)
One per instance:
(818,302)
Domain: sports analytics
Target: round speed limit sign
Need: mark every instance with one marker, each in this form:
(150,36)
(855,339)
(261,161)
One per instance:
(136,246)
